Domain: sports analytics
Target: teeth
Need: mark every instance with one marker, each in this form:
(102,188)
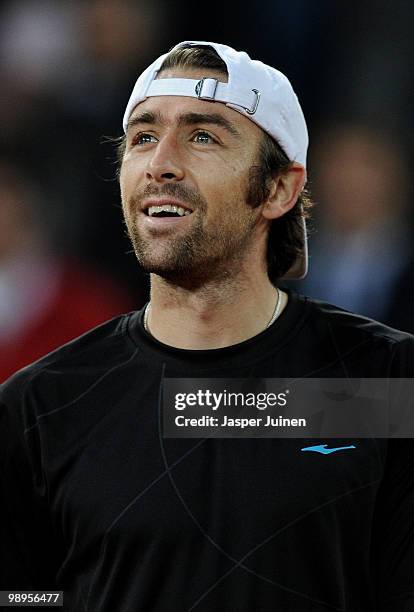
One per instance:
(168,208)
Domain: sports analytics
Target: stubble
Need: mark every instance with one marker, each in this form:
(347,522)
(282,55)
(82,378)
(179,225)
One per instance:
(203,253)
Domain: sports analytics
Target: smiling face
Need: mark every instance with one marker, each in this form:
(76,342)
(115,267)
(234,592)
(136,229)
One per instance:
(193,157)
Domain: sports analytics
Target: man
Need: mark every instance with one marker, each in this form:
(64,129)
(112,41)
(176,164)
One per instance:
(96,501)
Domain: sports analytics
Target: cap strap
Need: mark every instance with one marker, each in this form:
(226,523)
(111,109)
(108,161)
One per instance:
(205,89)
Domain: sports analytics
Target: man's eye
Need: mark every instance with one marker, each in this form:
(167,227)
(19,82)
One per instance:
(143,139)
(203,138)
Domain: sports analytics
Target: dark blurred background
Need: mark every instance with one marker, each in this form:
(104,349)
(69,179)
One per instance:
(66,72)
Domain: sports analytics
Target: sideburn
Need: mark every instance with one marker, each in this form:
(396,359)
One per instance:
(258,188)
(272,160)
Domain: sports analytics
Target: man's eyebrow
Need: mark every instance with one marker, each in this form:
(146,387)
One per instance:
(149,117)
(209,118)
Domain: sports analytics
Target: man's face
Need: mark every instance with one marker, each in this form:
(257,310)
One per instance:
(197,155)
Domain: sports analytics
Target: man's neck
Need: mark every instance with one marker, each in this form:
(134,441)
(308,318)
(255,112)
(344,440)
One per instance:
(215,315)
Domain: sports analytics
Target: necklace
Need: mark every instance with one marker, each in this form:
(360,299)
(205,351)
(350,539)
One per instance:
(275,314)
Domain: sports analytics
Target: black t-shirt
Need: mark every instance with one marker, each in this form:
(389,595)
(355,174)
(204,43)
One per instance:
(97,503)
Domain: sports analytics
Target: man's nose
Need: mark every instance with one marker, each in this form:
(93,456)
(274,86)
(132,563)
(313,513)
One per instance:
(165,163)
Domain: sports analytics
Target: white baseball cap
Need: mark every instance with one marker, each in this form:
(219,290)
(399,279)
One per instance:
(259,92)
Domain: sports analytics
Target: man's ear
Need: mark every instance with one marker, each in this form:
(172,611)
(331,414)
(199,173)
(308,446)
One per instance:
(284,191)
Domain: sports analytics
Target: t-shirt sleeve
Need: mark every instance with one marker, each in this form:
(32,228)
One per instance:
(27,543)
(393,532)
(393,526)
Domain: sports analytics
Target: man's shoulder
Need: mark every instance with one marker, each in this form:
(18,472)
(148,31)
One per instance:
(363,346)
(340,320)
(93,353)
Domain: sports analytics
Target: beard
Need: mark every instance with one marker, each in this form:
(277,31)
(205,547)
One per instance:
(202,253)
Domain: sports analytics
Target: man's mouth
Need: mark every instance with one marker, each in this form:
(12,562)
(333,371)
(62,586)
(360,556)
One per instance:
(167,210)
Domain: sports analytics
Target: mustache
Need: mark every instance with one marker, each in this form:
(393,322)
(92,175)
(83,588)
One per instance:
(175,190)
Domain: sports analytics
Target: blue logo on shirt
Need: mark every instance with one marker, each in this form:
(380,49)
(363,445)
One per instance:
(322,448)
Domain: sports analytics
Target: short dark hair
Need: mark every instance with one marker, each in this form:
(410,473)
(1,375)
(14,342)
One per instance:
(285,239)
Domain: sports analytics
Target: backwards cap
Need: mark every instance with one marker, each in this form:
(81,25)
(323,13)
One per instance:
(259,92)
